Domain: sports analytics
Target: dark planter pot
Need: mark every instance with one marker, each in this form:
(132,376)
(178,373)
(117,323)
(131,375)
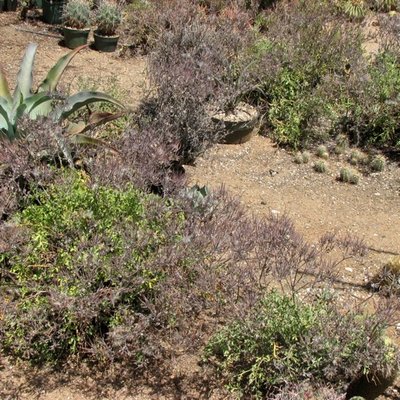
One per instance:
(52,11)
(107,44)
(2,5)
(11,5)
(74,38)
(368,388)
(239,125)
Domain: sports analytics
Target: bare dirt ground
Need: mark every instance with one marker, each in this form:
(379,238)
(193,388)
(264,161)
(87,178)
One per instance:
(266,179)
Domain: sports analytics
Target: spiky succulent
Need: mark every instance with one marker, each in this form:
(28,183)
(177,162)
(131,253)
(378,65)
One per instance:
(378,163)
(43,101)
(320,166)
(354,9)
(348,176)
(108,18)
(76,14)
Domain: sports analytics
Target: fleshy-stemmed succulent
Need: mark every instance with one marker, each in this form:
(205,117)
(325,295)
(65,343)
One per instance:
(348,176)
(108,17)
(322,152)
(378,163)
(320,166)
(25,102)
(76,14)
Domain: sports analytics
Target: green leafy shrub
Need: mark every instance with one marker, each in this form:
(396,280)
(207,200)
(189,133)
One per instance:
(285,341)
(297,69)
(82,270)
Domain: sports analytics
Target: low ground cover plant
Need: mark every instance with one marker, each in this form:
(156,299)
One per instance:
(285,341)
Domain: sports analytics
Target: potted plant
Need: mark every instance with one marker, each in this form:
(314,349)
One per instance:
(108,18)
(52,11)
(239,123)
(76,17)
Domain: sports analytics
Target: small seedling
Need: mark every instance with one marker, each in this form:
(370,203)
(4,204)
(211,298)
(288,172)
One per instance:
(322,152)
(320,167)
(378,164)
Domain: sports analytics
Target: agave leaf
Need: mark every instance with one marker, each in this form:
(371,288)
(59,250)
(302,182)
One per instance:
(100,118)
(75,127)
(33,102)
(24,78)
(49,84)
(4,90)
(81,99)
(6,125)
(84,139)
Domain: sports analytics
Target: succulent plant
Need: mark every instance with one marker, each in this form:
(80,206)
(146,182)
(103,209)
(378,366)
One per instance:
(298,158)
(357,157)
(354,9)
(45,102)
(108,18)
(322,152)
(306,157)
(388,278)
(320,166)
(302,158)
(378,164)
(76,14)
(342,143)
(348,176)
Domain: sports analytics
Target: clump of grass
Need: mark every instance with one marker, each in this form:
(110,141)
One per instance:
(302,157)
(320,167)
(378,163)
(348,176)
(322,152)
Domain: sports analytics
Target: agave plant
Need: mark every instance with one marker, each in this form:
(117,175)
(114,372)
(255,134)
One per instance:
(46,102)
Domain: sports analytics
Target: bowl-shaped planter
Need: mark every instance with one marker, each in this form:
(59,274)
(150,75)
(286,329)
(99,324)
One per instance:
(239,124)
(52,11)
(108,44)
(74,38)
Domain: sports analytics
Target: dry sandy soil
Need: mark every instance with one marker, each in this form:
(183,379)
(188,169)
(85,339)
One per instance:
(264,176)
